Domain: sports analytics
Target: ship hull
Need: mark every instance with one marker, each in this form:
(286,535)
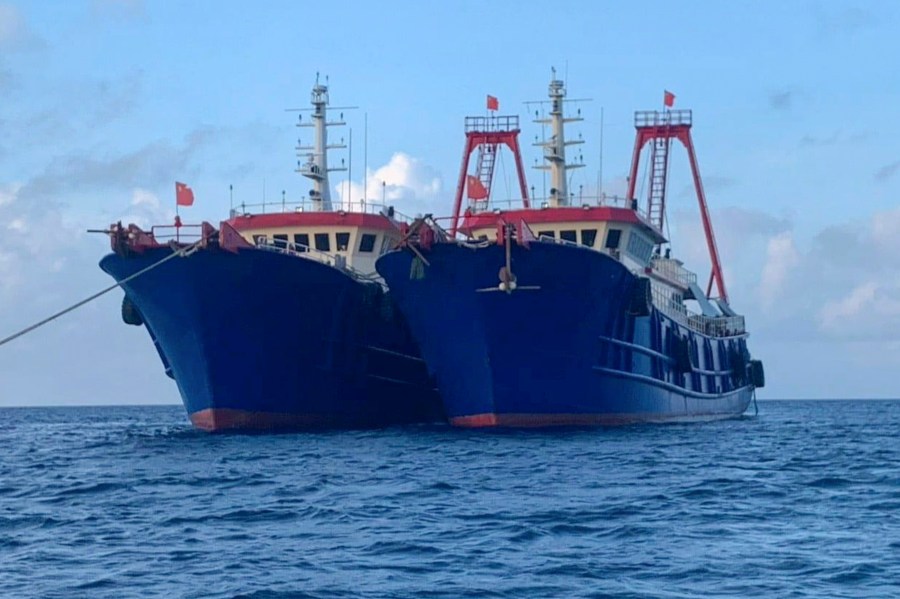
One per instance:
(261,340)
(562,349)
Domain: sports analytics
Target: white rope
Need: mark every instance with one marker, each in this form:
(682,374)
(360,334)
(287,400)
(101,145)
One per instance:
(185,251)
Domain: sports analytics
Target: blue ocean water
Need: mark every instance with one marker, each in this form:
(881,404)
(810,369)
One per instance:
(801,501)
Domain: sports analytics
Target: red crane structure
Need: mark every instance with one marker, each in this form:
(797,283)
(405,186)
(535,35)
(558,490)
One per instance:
(659,128)
(487,134)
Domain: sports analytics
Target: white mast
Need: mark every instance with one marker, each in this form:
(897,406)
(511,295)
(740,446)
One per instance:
(316,165)
(555,147)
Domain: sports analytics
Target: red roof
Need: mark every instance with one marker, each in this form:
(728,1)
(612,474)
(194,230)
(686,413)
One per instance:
(311,219)
(567,214)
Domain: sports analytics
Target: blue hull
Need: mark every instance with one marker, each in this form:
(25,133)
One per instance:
(263,340)
(564,352)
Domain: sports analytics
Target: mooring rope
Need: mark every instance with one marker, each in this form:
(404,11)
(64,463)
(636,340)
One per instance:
(185,251)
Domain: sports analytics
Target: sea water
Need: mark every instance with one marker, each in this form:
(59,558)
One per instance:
(801,501)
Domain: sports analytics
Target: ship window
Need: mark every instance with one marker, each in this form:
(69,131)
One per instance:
(588,237)
(259,239)
(301,242)
(571,235)
(482,238)
(612,239)
(367,243)
(322,242)
(639,246)
(343,241)
(386,243)
(280,240)
(550,234)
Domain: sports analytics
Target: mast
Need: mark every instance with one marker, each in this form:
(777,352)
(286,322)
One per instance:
(316,165)
(555,147)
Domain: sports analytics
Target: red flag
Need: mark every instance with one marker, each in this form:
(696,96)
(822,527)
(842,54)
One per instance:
(475,189)
(493,103)
(669,99)
(184,195)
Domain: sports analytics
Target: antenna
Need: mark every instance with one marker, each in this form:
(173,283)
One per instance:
(600,171)
(349,201)
(366,157)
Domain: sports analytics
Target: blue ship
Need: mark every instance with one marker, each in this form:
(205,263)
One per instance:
(278,320)
(570,314)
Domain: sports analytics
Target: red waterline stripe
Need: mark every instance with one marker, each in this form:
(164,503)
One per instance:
(541,420)
(219,419)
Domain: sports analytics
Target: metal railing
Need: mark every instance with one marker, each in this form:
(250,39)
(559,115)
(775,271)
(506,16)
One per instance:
(476,124)
(715,326)
(576,200)
(307,205)
(673,271)
(164,233)
(658,118)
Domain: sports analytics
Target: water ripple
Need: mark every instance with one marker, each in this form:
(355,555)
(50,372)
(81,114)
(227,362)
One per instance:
(803,501)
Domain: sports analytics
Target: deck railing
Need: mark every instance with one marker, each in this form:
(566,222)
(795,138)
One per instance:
(307,205)
(673,271)
(576,200)
(716,326)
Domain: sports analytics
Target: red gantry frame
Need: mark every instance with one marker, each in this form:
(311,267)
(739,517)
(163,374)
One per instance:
(661,128)
(487,134)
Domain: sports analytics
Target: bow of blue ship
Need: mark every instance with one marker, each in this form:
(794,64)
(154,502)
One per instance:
(257,339)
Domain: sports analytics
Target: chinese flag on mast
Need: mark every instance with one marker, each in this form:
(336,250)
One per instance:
(668,98)
(184,195)
(493,103)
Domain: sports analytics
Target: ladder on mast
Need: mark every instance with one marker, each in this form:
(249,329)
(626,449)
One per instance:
(487,156)
(659,129)
(656,197)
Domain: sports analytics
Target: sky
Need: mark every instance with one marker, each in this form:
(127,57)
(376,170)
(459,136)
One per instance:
(105,103)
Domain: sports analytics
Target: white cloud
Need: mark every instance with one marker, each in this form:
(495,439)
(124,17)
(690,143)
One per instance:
(406,183)
(870,310)
(18,225)
(8,193)
(781,258)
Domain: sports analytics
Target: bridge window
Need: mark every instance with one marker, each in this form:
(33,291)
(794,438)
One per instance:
(639,246)
(280,240)
(551,234)
(588,237)
(301,242)
(571,235)
(613,237)
(323,244)
(367,242)
(343,241)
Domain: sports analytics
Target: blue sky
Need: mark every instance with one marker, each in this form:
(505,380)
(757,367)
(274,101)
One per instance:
(106,103)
